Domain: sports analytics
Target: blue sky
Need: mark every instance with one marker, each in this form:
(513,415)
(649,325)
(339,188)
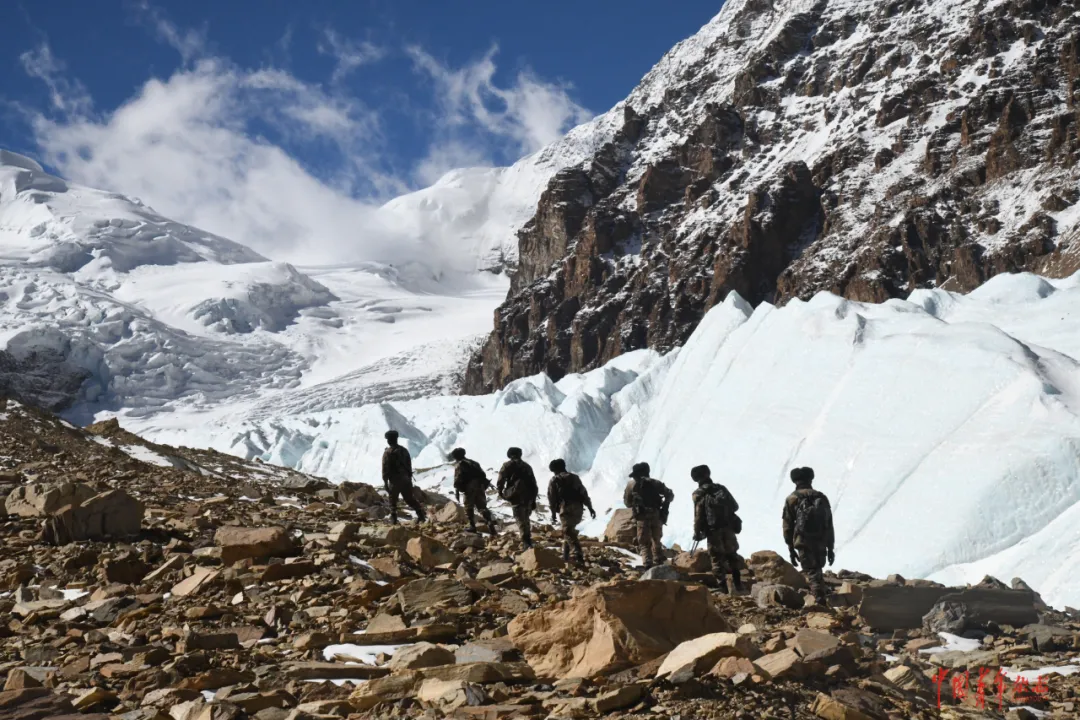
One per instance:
(198,102)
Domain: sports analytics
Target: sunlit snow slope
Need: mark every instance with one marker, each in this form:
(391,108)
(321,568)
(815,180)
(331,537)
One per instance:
(945,428)
(118,310)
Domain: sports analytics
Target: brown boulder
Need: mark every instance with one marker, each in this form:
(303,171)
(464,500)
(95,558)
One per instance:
(242,543)
(40,499)
(695,562)
(699,654)
(428,552)
(771,569)
(420,655)
(536,559)
(111,514)
(613,626)
(621,527)
(429,592)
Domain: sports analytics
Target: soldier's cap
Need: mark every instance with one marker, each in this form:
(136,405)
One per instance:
(641,469)
(557,465)
(513,452)
(803,474)
(391,435)
(457,453)
(700,472)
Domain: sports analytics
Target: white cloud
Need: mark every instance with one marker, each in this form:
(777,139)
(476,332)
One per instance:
(349,54)
(67,96)
(531,113)
(217,146)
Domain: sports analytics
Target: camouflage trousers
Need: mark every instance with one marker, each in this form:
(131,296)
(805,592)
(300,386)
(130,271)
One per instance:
(650,531)
(403,487)
(523,518)
(812,561)
(570,516)
(475,499)
(723,549)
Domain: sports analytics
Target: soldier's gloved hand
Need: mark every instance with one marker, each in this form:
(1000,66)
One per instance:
(593,513)
(832,556)
(794,557)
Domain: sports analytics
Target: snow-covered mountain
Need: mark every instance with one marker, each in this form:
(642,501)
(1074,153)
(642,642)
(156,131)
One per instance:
(864,147)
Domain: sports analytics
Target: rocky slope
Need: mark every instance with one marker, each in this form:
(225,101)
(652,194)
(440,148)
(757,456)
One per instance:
(861,147)
(243,591)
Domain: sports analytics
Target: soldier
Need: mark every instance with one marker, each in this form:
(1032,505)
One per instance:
(715,521)
(469,478)
(568,498)
(808,530)
(517,485)
(649,499)
(397,477)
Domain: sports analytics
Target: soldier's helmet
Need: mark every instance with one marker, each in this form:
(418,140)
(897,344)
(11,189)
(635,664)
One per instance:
(513,453)
(802,475)
(641,469)
(700,473)
(458,453)
(557,465)
(391,435)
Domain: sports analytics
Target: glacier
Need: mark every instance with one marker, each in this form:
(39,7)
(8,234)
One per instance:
(945,428)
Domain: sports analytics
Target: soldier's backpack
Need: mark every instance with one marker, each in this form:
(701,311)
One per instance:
(472,473)
(518,488)
(647,495)
(571,490)
(718,511)
(811,516)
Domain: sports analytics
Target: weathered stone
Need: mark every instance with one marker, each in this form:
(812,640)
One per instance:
(113,514)
(385,623)
(312,641)
(201,578)
(384,689)
(621,527)
(41,499)
(700,654)
(660,572)
(496,572)
(779,665)
(449,513)
(808,642)
(428,552)
(448,695)
(332,671)
(897,608)
(482,673)
(243,543)
(493,650)
(776,596)
(771,569)
(695,562)
(421,655)
(431,633)
(613,625)
(729,667)
(831,709)
(537,559)
(430,592)
(619,698)
(287,571)
(975,608)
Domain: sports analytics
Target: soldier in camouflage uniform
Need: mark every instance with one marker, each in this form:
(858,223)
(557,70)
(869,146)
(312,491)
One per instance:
(470,480)
(568,498)
(808,530)
(715,522)
(649,499)
(397,478)
(517,485)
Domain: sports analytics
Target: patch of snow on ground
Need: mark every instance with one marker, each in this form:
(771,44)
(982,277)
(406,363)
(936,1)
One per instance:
(365,654)
(953,643)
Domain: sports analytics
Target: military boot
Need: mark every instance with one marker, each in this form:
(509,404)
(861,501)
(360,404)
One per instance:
(491,524)
(579,558)
(393,517)
(736,582)
(721,583)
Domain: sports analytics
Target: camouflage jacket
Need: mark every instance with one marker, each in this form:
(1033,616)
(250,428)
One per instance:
(396,464)
(790,510)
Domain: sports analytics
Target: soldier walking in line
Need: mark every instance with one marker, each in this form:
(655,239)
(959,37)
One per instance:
(568,498)
(808,530)
(715,521)
(649,499)
(471,480)
(397,478)
(517,485)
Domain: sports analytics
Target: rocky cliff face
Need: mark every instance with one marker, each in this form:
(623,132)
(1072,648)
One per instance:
(862,147)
